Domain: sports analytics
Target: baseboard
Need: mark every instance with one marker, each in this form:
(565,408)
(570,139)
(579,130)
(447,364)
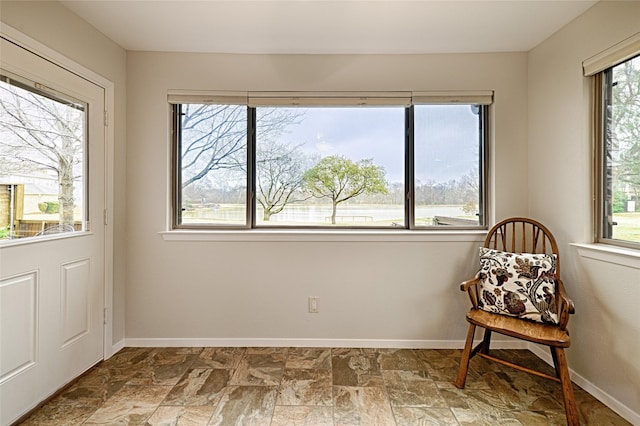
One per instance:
(316,343)
(116,347)
(608,400)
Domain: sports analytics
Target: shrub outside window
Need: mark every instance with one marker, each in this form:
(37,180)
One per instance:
(347,164)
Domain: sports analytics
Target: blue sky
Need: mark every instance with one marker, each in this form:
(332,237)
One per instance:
(446,138)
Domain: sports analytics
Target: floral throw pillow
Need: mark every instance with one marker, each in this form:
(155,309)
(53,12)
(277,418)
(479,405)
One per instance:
(518,284)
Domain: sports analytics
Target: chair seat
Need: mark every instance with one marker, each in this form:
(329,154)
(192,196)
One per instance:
(545,334)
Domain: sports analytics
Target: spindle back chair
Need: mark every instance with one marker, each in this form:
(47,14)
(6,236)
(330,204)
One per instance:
(515,236)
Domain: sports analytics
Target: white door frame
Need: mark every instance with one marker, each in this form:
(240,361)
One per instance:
(41,50)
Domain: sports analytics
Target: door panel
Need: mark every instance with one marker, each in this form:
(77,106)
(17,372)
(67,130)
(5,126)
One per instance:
(76,309)
(52,286)
(18,321)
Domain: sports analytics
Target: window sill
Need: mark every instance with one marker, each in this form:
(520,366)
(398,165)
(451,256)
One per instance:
(324,236)
(43,238)
(610,254)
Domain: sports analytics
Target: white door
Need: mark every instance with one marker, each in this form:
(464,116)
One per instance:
(52,284)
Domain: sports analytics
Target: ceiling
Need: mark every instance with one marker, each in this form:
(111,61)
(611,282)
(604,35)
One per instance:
(328,26)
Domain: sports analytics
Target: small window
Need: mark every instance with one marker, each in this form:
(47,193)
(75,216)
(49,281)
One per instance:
(449,141)
(212,165)
(42,166)
(339,163)
(620,154)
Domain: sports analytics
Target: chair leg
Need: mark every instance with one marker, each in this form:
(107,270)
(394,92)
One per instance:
(486,341)
(555,360)
(464,360)
(562,370)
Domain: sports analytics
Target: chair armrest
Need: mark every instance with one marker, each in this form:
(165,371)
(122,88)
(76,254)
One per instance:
(471,287)
(465,285)
(565,305)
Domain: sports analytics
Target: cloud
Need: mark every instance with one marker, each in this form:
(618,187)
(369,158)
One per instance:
(322,145)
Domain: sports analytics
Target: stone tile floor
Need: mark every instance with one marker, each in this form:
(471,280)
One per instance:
(312,386)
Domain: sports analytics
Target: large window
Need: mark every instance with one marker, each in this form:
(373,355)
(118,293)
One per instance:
(620,153)
(355,163)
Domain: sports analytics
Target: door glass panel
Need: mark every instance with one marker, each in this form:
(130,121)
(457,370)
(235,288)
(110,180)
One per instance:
(42,161)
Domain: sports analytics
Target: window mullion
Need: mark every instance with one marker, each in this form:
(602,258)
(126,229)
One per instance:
(409,201)
(607,184)
(177,161)
(251,167)
(482,165)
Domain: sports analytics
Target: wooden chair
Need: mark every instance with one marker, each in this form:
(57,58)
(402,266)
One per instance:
(521,235)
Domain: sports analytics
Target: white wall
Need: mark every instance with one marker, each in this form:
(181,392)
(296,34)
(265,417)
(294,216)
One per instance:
(54,26)
(403,290)
(605,330)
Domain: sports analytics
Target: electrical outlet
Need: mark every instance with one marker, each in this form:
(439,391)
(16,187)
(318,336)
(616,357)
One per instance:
(314,304)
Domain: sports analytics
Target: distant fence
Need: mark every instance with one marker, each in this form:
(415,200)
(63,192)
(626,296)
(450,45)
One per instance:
(31,228)
(354,218)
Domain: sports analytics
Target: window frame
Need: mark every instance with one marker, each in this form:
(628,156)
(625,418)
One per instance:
(603,97)
(594,68)
(482,99)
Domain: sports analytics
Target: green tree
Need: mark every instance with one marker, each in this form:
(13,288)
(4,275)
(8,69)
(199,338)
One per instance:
(340,179)
(619,202)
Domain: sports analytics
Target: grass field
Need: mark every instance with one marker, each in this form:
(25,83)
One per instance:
(628,227)
(356,215)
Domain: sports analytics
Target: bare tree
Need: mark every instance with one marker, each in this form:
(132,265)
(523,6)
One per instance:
(214,137)
(280,176)
(470,184)
(625,120)
(42,134)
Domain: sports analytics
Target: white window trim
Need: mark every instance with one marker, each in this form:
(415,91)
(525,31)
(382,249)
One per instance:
(256,99)
(321,235)
(610,254)
(620,52)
